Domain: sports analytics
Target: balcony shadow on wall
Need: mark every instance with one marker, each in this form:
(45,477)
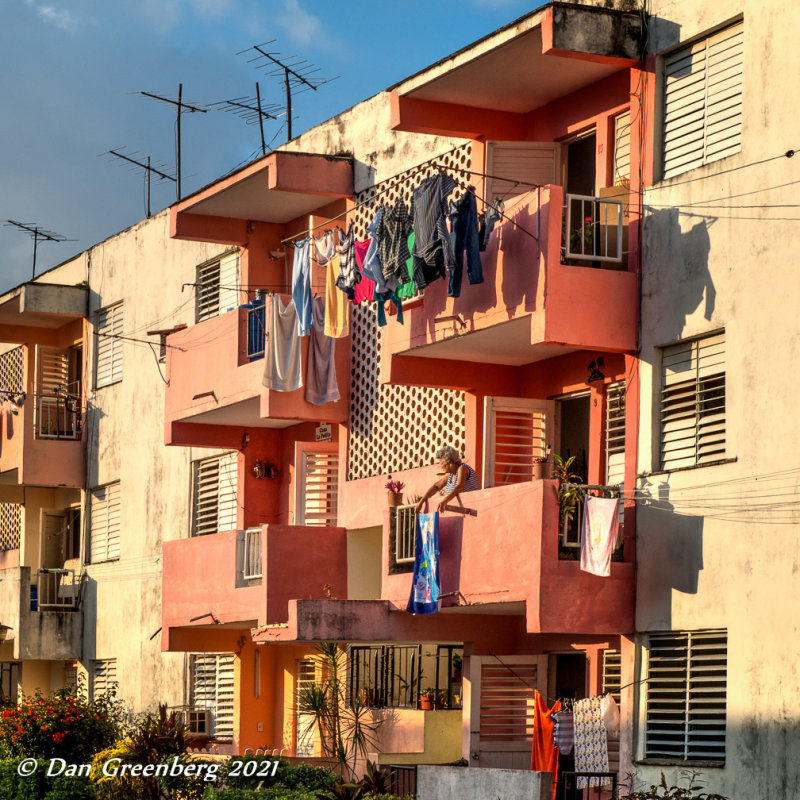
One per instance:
(669,556)
(676,278)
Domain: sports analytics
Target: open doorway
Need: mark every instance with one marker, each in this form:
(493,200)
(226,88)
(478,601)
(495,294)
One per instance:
(573,439)
(581,164)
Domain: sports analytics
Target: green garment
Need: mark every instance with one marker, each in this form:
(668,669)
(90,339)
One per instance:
(406,290)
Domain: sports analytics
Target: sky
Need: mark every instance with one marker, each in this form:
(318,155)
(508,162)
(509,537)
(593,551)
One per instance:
(71,71)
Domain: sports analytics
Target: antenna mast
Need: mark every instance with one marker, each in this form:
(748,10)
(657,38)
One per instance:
(38,234)
(148,170)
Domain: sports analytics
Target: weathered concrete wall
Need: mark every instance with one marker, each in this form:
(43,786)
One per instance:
(719,550)
(434,783)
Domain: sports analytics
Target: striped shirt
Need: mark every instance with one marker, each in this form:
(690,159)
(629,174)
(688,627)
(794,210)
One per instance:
(429,210)
(471,484)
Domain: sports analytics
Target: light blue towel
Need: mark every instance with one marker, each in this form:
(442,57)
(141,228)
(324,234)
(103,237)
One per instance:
(301,286)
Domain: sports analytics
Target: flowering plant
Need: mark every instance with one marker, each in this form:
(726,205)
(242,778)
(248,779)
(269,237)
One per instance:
(582,239)
(395,486)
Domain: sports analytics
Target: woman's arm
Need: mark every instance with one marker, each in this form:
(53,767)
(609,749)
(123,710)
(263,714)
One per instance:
(461,480)
(437,487)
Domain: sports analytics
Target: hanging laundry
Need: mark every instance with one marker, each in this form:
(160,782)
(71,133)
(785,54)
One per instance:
(609,711)
(348,274)
(492,215)
(321,385)
(591,742)
(544,754)
(282,358)
(563,732)
(464,234)
(337,311)
(393,231)
(301,285)
(405,290)
(432,252)
(424,597)
(324,248)
(366,286)
(381,298)
(599,534)
(372,267)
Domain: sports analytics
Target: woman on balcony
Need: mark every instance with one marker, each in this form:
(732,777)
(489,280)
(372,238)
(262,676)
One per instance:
(458,477)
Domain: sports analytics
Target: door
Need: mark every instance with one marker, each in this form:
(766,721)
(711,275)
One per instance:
(573,439)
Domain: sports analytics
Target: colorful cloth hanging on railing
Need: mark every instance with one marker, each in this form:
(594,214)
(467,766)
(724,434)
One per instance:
(425,587)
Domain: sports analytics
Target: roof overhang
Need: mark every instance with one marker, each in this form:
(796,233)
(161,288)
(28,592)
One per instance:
(43,305)
(278,188)
(525,66)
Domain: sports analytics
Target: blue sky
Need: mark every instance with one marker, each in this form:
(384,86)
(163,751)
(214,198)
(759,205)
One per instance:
(71,70)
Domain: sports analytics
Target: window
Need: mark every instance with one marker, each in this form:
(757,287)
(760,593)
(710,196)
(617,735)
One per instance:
(385,676)
(317,486)
(693,402)
(104,523)
(685,696)
(104,677)
(211,688)
(108,344)
(217,286)
(703,101)
(622,147)
(214,492)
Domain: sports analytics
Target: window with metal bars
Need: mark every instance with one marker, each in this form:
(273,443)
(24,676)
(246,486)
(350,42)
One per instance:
(217,286)
(703,101)
(385,676)
(104,676)
(612,674)
(211,685)
(685,695)
(108,345)
(104,528)
(214,492)
(693,402)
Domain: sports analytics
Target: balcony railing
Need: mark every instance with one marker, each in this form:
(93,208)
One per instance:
(571,528)
(251,568)
(57,589)
(594,228)
(256,330)
(58,416)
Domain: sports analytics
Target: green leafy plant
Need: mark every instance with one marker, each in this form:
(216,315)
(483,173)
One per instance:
(568,491)
(375,780)
(664,792)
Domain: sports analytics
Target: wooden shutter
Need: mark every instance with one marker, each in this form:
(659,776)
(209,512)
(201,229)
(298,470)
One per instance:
(104,533)
(104,676)
(703,101)
(212,688)
(506,703)
(215,494)
(532,162)
(693,402)
(109,347)
(318,488)
(686,695)
(622,147)
(516,430)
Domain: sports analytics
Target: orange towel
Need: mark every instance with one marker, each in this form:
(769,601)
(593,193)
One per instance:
(544,754)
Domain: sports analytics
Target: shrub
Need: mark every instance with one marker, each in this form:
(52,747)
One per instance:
(664,792)
(62,725)
(41,787)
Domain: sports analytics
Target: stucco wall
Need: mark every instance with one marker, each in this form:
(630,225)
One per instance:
(434,783)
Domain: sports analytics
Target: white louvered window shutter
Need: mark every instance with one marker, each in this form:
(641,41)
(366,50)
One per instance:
(318,488)
(104,531)
(214,494)
(212,688)
(693,402)
(506,702)
(516,430)
(703,101)
(104,676)
(686,692)
(217,289)
(108,345)
(537,163)
(622,147)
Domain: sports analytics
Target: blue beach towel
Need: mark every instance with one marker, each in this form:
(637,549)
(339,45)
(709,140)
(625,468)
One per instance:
(426,585)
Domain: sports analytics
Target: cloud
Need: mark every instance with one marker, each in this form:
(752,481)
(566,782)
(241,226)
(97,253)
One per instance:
(306,29)
(214,9)
(59,17)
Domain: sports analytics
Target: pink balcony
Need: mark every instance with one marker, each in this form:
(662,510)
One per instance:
(216,580)
(505,555)
(530,306)
(213,381)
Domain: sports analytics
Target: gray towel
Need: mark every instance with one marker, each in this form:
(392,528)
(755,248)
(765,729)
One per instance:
(321,385)
(282,360)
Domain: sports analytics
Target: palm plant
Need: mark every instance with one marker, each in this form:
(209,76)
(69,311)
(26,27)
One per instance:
(568,491)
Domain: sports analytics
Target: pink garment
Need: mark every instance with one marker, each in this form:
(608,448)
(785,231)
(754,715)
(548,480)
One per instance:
(599,534)
(366,285)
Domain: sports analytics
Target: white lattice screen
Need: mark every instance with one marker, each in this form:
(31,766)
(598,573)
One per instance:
(11,371)
(10,525)
(396,427)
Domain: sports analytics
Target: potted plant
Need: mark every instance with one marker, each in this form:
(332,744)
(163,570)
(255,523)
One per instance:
(540,465)
(441,698)
(367,696)
(458,662)
(568,491)
(395,492)
(427,698)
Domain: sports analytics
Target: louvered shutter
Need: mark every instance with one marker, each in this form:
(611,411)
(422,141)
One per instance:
(104,533)
(228,282)
(104,676)
(212,688)
(516,430)
(304,722)
(536,163)
(686,695)
(622,147)
(108,345)
(506,703)
(703,101)
(693,402)
(215,493)
(319,487)
(217,286)
(52,370)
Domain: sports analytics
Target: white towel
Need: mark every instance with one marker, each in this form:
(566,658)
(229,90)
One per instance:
(282,359)
(599,534)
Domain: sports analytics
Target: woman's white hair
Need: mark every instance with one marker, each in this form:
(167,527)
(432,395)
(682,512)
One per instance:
(449,454)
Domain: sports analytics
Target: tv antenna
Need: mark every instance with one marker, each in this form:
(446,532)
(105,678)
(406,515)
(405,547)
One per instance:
(297,74)
(148,171)
(191,108)
(251,111)
(38,235)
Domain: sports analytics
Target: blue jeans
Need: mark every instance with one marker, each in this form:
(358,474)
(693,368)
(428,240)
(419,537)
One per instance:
(464,231)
